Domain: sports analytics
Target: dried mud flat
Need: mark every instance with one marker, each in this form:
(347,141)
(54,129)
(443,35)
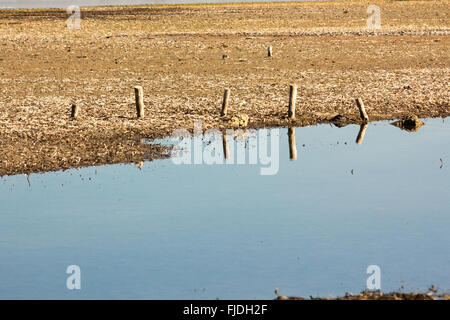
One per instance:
(176,53)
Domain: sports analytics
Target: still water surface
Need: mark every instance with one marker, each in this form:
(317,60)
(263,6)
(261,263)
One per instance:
(224,231)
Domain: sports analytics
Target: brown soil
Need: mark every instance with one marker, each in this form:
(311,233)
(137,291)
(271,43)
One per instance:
(177,54)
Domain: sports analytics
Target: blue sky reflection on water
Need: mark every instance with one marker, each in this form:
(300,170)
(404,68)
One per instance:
(224,231)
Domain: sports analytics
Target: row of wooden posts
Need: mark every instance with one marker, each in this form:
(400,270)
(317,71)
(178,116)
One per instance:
(291,106)
(139,96)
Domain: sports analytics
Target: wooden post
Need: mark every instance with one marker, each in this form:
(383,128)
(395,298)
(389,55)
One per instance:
(362,110)
(226,96)
(269,51)
(361,133)
(139,94)
(292,99)
(75,110)
(292,145)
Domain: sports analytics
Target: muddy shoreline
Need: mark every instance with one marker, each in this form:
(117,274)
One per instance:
(377,295)
(176,53)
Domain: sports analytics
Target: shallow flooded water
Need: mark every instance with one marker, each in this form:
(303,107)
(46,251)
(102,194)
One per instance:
(168,231)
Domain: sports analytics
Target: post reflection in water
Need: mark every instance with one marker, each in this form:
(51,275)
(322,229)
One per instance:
(291,139)
(226,152)
(292,146)
(361,133)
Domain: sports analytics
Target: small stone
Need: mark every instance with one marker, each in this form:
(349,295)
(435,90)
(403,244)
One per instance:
(409,123)
(339,121)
